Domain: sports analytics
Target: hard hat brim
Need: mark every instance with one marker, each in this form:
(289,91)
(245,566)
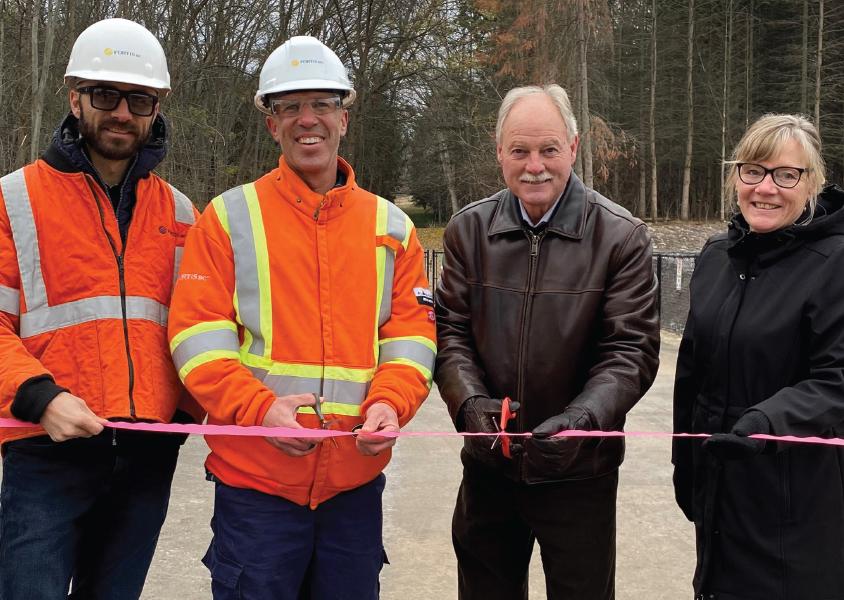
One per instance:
(118,77)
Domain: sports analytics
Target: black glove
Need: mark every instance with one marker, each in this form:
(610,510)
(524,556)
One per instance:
(476,416)
(552,456)
(477,413)
(736,445)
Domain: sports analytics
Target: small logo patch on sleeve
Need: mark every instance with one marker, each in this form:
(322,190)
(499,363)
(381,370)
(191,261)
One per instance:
(424,296)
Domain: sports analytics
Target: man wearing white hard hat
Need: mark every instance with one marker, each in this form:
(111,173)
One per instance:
(90,240)
(302,303)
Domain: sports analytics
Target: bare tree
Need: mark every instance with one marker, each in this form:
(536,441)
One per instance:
(687,165)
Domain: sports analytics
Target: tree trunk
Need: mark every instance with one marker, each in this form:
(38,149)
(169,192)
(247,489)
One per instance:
(40,76)
(748,67)
(687,166)
(585,121)
(654,201)
(804,60)
(818,68)
(728,43)
(449,173)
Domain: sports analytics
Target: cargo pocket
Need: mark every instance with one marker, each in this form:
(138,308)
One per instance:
(225,575)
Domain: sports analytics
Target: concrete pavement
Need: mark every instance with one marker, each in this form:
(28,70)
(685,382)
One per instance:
(655,543)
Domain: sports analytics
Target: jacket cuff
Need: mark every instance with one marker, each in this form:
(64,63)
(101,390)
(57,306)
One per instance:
(460,417)
(33,396)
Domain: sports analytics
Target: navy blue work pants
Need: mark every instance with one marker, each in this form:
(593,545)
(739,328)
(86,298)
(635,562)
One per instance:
(86,510)
(268,548)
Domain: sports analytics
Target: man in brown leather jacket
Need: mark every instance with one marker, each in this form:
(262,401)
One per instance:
(548,297)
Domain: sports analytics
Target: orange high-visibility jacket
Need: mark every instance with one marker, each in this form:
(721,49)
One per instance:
(285,291)
(74,306)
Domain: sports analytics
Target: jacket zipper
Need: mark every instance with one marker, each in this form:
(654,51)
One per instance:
(319,451)
(535,241)
(118,256)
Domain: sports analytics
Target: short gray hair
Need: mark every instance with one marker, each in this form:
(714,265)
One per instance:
(557,95)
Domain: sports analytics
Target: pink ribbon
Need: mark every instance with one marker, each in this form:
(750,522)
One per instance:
(256,431)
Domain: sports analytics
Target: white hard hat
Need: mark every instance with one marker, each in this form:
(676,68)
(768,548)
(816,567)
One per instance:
(302,63)
(121,51)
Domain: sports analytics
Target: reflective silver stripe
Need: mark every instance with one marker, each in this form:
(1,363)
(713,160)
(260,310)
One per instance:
(418,353)
(245,266)
(386,308)
(396,222)
(50,318)
(220,339)
(183,206)
(344,392)
(22,222)
(10,300)
(177,262)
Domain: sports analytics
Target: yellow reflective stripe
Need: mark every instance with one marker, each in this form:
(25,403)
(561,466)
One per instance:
(200,328)
(426,373)
(410,350)
(202,342)
(203,358)
(219,206)
(382,306)
(419,339)
(349,374)
(262,258)
(384,265)
(307,371)
(333,408)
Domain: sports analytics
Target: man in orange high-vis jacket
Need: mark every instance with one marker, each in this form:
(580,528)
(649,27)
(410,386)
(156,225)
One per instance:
(297,287)
(90,239)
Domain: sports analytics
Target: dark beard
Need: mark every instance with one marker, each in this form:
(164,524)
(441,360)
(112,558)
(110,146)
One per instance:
(111,151)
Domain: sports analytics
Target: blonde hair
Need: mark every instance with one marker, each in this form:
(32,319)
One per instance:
(557,95)
(765,138)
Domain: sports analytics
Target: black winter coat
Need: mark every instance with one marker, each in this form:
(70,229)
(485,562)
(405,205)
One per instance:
(766,332)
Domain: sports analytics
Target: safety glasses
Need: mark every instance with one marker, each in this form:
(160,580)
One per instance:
(140,104)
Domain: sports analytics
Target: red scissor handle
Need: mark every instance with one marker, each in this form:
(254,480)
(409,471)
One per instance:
(506,415)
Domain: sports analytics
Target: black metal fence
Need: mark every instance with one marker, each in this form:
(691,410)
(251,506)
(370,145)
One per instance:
(673,271)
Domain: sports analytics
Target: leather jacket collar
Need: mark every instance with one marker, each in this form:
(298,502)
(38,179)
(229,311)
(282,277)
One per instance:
(568,221)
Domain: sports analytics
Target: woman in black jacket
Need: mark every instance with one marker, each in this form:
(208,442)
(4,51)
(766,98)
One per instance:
(763,352)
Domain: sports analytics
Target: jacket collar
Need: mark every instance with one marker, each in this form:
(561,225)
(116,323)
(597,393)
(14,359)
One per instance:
(293,187)
(769,247)
(569,219)
(66,152)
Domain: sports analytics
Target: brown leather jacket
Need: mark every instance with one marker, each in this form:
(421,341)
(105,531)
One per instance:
(565,316)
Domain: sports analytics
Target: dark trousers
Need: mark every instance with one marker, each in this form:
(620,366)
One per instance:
(268,548)
(496,522)
(89,510)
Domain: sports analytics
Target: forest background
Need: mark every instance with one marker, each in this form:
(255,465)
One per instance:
(666,87)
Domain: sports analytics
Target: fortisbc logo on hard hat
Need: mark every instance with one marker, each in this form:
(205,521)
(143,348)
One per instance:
(295,62)
(113,52)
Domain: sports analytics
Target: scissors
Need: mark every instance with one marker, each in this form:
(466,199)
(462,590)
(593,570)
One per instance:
(506,416)
(323,422)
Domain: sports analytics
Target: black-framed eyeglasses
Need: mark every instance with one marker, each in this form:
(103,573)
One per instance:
(785,177)
(291,108)
(140,104)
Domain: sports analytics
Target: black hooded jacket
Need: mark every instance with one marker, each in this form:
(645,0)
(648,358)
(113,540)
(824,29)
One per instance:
(766,332)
